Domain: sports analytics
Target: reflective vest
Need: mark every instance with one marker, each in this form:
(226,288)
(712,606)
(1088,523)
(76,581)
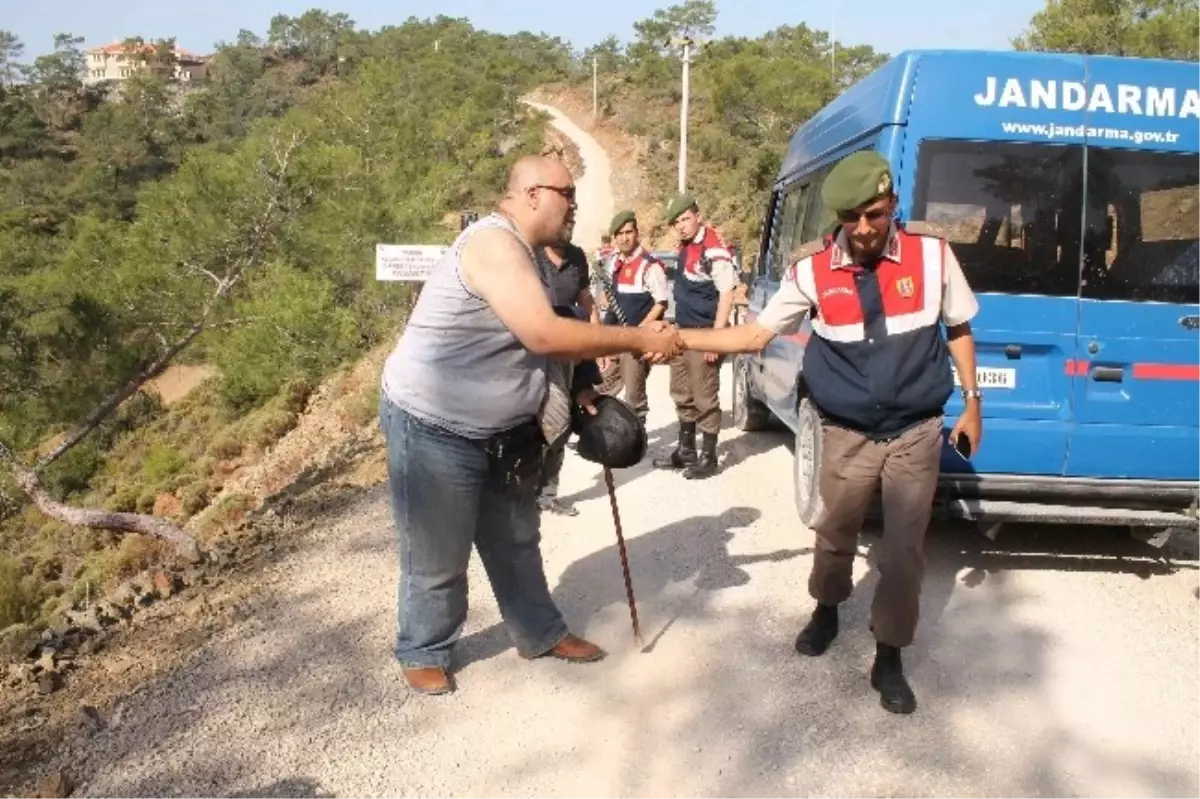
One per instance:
(877,361)
(696,295)
(630,288)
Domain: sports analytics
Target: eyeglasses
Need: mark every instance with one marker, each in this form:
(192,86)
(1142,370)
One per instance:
(852,217)
(566,192)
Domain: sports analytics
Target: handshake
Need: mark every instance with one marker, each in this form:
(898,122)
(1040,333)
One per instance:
(660,342)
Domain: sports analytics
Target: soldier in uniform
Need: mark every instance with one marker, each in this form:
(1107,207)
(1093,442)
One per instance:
(877,369)
(703,299)
(635,282)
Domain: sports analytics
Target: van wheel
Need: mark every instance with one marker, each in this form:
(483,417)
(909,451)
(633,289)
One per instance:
(808,461)
(748,413)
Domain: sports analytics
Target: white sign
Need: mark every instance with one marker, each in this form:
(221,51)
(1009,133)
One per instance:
(406,262)
(988,377)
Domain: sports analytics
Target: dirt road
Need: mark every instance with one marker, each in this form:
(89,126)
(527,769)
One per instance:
(1057,661)
(593,187)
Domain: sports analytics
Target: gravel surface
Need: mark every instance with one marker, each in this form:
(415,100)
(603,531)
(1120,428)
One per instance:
(1057,661)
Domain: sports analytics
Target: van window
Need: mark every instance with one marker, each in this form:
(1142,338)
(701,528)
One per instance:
(786,230)
(1011,211)
(1143,226)
(816,221)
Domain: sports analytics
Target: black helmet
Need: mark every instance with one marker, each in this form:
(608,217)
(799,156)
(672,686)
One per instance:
(613,437)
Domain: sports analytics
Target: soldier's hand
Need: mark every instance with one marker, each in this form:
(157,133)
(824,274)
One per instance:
(970,423)
(661,342)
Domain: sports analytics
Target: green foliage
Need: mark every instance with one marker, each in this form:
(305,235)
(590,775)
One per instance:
(19,597)
(247,206)
(1146,28)
(746,99)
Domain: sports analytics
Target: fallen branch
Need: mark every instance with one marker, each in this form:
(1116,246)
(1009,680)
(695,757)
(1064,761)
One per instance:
(31,484)
(250,255)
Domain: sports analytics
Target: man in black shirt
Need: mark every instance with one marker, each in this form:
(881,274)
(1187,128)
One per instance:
(566,269)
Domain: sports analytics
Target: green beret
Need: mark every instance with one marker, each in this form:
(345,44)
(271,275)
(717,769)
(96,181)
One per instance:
(857,179)
(620,220)
(678,205)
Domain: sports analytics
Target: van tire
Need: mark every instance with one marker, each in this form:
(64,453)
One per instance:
(807,464)
(749,414)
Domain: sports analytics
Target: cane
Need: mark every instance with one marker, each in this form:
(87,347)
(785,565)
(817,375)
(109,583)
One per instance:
(612,499)
(615,307)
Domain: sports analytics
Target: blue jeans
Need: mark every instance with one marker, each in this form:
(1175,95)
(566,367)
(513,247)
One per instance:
(444,499)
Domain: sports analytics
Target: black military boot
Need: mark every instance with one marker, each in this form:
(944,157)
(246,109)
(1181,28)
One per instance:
(685,453)
(820,631)
(887,677)
(706,464)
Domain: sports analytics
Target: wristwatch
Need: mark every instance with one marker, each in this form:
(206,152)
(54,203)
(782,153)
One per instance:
(969,393)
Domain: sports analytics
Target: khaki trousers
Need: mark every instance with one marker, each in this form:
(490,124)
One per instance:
(851,466)
(694,387)
(626,371)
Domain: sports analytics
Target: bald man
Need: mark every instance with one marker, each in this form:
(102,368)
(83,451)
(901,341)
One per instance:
(461,395)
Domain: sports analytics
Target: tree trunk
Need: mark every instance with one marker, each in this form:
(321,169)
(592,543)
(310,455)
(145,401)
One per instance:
(101,411)
(186,546)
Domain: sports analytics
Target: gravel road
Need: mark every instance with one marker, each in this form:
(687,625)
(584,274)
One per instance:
(1056,661)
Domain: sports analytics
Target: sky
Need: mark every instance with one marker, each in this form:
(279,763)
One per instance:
(198,26)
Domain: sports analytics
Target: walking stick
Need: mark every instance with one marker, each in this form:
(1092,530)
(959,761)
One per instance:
(611,295)
(612,499)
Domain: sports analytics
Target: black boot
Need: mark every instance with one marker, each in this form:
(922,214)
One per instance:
(685,453)
(706,464)
(820,631)
(887,677)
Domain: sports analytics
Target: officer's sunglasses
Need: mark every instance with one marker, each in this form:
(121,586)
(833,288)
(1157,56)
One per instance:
(566,192)
(851,217)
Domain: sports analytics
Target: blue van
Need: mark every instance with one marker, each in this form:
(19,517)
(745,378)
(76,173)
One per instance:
(1068,188)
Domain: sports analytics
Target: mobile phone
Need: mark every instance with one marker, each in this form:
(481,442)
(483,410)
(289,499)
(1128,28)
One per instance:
(962,446)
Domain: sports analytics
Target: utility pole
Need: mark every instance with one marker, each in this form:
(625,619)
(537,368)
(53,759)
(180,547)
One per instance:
(833,45)
(595,90)
(683,109)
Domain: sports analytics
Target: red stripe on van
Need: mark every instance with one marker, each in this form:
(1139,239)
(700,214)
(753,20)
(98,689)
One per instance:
(1165,371)
(1144,371)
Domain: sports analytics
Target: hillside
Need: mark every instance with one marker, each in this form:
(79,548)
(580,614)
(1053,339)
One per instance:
(189,307)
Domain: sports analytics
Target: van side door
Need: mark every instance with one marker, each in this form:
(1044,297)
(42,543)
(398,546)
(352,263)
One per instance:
(1137,368)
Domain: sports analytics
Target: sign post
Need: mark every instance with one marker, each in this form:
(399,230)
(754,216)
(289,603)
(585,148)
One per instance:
(407,263)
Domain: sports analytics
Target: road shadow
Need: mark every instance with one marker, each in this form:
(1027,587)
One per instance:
(691,555)
(731,451)
(290,787)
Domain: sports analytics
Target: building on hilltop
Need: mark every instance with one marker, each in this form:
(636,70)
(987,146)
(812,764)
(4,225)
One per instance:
(120,60)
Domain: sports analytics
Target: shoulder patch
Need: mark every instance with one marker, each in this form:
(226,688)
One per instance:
(808,249)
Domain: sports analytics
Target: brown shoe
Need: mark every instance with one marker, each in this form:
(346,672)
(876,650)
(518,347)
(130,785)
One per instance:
(574,649)
(429,680)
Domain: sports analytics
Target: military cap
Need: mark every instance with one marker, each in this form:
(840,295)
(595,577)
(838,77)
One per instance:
(678,205)
(619,220)
(857,179)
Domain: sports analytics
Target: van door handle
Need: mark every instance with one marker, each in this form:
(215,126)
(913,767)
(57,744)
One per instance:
(1189,322)
(1108,374)
(1013,351)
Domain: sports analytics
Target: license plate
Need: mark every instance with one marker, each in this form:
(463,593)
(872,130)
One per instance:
(991,377)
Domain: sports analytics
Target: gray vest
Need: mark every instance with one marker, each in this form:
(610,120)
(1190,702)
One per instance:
(456,365)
